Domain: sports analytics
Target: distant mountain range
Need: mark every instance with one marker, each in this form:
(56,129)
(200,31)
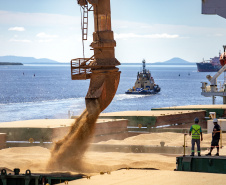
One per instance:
(27,60)
(174,61)
(32,60)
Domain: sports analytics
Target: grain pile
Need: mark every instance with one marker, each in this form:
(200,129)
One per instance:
(33,158)
(170,139)
(36,158)
(157,177)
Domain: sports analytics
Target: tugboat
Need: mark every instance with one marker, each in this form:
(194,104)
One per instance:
(144,84)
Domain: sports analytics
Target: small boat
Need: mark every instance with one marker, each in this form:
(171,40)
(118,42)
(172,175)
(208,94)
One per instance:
(144,84)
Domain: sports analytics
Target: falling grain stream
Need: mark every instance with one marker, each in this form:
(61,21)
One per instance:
(67,153)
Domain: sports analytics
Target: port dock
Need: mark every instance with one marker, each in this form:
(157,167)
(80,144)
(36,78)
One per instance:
(114,125)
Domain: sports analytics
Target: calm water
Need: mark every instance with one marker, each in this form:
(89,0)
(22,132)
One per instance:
(46,91)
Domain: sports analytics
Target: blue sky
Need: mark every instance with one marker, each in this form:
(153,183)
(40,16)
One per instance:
(156,30)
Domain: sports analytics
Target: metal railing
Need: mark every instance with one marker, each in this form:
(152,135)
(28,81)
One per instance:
(79,69)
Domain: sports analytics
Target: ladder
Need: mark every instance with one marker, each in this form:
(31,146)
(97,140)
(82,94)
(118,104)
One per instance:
(85,22)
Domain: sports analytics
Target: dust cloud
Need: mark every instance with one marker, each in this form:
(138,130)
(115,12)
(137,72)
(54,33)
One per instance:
(67,153)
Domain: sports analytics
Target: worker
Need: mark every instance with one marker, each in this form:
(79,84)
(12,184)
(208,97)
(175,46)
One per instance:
(195,131)
(215,137)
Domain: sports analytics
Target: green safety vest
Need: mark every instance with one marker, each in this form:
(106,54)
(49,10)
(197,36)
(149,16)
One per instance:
(195,130)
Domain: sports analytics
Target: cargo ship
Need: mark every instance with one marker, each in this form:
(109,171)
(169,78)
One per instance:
(212,65)
(144,84)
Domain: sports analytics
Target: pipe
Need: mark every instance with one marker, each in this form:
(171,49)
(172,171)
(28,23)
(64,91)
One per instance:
(103,86)
(105,76)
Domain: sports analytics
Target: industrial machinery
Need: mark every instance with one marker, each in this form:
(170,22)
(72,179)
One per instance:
(101,67)
(215,7)
(8,177)
(215,89)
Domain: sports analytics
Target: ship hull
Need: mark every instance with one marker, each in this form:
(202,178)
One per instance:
(141,93)
(207,67)
(144,92)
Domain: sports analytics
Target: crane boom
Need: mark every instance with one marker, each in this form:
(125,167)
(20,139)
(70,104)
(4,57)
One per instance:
(213,80)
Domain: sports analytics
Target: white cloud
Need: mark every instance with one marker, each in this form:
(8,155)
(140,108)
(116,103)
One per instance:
(219,35)
(45,36)
(16,29)
(37,19)
(46,40)
(151,36)
(17,40)
(183,31)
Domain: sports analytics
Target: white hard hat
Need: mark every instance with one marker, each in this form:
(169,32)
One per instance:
(215,120)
